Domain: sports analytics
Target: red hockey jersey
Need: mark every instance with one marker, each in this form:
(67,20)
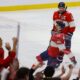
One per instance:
(67,19)
(56,44)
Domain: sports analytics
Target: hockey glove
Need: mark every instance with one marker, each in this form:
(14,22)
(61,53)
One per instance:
(53,32)
(73,60)
(39,59)
(67,51)
(61,24)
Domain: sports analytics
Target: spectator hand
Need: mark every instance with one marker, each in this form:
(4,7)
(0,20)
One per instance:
(63,69)
(0,42)
(8,47)
(70,66)
(35,66)
(79,73)
(15,40)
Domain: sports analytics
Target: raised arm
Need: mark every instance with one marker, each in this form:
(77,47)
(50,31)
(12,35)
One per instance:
(68,75)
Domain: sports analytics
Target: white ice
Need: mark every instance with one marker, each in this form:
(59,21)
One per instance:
(35,27)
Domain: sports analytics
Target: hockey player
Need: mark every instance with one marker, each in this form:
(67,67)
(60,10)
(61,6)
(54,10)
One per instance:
(63,20)
(55,52)
(60,42)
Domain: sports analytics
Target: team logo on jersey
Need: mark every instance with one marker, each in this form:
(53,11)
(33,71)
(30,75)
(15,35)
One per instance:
(63,17)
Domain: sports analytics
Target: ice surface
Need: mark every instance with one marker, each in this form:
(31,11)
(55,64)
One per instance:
(35,33)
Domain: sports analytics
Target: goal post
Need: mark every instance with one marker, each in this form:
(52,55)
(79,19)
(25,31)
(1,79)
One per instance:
(18,36)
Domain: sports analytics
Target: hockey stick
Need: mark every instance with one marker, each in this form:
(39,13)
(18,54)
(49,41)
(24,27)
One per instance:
(18,36)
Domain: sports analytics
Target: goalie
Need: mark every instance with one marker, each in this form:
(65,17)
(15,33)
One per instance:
(55,52)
